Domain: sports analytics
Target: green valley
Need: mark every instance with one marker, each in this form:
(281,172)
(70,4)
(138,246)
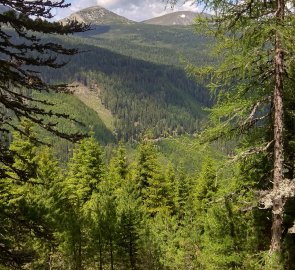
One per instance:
(139,71)
(153,145)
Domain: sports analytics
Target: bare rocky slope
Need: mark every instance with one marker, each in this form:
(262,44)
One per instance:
(97,15)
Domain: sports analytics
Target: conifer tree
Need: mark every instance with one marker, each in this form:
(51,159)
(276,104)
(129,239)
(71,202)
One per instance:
(183,197)
(253,80)
(23,215)
(24,50)
(48,203)
(150,179)
(206,184)
(128,210)
(107,216)
(171,188)
(86,171)
(118,164)
(225,227)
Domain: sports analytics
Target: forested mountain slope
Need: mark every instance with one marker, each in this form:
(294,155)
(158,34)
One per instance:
(140,75)
(219,199)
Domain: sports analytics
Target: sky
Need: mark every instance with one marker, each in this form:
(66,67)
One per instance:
(137,10)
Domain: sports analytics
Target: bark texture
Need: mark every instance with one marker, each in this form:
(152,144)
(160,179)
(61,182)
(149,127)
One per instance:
(278,203)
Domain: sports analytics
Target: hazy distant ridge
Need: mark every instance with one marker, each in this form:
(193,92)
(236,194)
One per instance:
(176,18)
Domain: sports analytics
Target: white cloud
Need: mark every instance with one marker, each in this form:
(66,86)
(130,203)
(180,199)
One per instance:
(137,10)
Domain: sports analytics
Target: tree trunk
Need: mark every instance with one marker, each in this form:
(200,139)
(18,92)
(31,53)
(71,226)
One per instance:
(278,204)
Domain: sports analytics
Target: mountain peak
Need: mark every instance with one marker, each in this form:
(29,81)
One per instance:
(176,18)
(97,15)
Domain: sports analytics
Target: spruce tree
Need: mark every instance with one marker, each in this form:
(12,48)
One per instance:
(23,51)
(24,212)
(206,185)
(85,172)
(152,184)
(47,199)
(86,169)
(128,210)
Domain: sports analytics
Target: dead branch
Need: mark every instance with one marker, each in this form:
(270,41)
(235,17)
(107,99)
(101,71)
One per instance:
(251,151)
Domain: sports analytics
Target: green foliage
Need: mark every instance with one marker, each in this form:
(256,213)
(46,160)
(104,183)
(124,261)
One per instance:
(85,169)
(135,209)
(27,202)
(88,120)
(120,71)
(137,212)
(206,183)
(253,86)
(151,182)
(225,226)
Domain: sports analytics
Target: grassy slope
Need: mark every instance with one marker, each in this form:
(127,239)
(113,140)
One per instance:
(71,105)
(91,98)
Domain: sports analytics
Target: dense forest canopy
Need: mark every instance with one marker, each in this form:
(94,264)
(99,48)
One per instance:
(222,199)
(137,71)
(21,51)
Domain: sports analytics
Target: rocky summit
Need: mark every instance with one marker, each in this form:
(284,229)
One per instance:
(98,16)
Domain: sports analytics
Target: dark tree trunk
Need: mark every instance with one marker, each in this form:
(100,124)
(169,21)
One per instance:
(278,204)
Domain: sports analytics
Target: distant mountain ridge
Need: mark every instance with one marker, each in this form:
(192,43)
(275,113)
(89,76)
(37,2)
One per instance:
(176,18)
(97,15)
(132,77)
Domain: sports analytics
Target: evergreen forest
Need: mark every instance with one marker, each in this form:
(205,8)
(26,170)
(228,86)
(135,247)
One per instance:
(130,146)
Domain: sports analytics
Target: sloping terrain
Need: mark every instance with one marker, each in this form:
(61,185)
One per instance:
(136,73)
(175,18)
(92,99)
(97,15)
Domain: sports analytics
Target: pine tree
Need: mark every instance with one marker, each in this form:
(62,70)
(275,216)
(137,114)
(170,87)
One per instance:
(85,169)
(23,50)
(107,216)
(183,193)
(171,188)
(118,164)
(206,184)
